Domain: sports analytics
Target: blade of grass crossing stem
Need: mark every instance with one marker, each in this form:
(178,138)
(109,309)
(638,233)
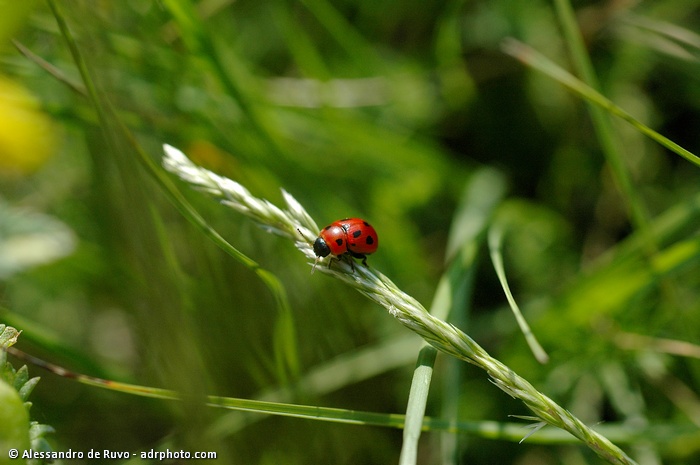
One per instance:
(536,60)
(483,192)
(417,399)
(496,234)
(105,113)
(453,297)
(482,195)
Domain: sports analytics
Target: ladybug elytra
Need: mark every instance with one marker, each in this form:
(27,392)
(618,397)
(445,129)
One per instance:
(351,236)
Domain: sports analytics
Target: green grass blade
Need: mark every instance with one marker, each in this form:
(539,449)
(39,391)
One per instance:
(536,60)
(513,432)
(495,240)
(602,123)
(417,400)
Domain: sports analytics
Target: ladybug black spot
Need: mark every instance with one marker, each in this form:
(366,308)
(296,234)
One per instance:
(369,240)
(357,234)
(339,241)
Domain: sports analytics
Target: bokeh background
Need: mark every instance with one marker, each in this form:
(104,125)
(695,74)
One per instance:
(384,110)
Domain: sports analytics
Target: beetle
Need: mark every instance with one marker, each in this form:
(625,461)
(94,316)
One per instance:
(353,237)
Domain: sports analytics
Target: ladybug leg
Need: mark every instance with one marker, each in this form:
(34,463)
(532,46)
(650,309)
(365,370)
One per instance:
(360,256)
(334,258)
(347,258)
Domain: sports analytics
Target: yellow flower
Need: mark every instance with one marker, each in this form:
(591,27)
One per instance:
(27,135)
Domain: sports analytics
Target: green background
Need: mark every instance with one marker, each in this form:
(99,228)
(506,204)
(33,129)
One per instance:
(383,110)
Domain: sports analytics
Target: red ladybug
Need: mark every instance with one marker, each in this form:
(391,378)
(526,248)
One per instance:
(352,236)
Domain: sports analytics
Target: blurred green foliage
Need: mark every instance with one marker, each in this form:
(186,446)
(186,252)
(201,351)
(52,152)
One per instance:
(381,110)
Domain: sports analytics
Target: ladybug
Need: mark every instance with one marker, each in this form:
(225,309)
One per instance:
(352,237)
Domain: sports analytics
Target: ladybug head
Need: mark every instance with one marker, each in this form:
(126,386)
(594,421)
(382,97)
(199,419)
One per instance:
(321,249)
